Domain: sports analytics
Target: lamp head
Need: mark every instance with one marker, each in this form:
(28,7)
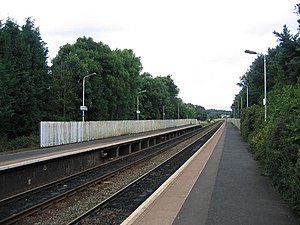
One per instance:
(250,52)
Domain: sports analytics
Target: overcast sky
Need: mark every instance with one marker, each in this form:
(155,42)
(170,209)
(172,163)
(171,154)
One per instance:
(200,43)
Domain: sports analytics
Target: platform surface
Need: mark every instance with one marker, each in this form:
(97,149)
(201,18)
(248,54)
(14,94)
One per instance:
(8,159)
(222,184)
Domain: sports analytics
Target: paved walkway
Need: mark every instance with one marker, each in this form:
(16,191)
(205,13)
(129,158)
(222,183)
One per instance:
(240,194)
(229,190)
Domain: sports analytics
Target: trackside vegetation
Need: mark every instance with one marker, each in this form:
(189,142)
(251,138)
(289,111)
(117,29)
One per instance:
(276,142)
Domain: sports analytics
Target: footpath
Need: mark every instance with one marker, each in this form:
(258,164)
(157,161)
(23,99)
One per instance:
(238,191)
(221,185)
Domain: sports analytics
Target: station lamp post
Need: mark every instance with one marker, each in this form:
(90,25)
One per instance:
(238,108)
(83,108)
(247,95)
(138,104)
(265,78)
(241,101)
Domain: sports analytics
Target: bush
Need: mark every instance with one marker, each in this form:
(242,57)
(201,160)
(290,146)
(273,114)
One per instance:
(282,157)
(251,120)
(276,144)
(21,142)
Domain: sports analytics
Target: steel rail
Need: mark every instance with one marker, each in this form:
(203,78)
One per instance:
(31,210)
(115,196)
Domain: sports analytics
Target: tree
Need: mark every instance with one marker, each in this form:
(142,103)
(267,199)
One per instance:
(201,113)
(287,57)
(24,78)
(156,97)
(172,102)
(110,95)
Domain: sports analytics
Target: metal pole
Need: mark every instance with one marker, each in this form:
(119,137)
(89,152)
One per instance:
(241,102)
(83,91)
(247,95)
(238,109)
(265,79)
(138,104)
(137,107)
(234,112)
(178,111)
(265,84)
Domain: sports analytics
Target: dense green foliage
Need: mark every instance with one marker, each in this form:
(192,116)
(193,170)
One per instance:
(24,79)
(31,91)
(276,141)
(110,95)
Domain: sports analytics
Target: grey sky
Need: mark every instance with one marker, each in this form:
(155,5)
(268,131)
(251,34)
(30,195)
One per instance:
(201,43)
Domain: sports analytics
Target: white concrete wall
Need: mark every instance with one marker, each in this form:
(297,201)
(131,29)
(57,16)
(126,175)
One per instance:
(236,122)
(59,133)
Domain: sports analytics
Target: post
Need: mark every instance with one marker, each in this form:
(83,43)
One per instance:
(137,107)
(241,102)
(265,84)
(265,79)
(247,95)
(178,111)
(83,109)
(138,104)
(234,112)
(238,109)
(83,85)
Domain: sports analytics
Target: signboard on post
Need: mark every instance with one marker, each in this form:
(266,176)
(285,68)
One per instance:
(83,108)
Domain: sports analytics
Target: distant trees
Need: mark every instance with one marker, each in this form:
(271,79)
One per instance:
(32,91)
(161,97)
(110,95)
(24,80)
(201,113)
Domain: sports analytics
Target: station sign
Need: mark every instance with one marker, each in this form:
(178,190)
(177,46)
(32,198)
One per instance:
(83,108)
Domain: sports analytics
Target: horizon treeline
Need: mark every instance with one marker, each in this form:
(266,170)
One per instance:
(32,91)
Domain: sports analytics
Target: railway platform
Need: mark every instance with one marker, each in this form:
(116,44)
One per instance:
(10,158)
(23,171)
(221,184)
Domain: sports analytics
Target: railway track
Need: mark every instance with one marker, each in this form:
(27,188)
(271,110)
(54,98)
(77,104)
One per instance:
(27,203)
(115,209)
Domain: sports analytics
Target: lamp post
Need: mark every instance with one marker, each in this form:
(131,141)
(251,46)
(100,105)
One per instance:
(241,102)
(238,109)
(138,104)
(265,79)
(247,94)
(83,108)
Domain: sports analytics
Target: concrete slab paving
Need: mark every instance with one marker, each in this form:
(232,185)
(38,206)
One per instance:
(220,185)
(240,193)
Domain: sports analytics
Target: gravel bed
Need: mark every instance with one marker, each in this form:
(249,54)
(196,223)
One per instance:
(72,207)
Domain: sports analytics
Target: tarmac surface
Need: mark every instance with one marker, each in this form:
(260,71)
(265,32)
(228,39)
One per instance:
(229,188)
